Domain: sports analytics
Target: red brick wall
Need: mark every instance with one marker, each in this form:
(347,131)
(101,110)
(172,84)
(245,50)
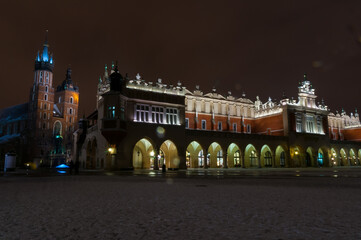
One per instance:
(352,134)
(274,123)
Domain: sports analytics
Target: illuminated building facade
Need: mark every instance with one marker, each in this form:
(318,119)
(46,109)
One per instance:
(145,125)
(41,131)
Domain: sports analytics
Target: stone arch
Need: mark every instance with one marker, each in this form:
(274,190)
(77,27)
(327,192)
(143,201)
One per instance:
(144,154)
(94,149)
(320,158)
(215,153)
(194,155)
(343,157)
(334,157)
(352,158)
(359,157)
(266,156)
(170,155)
(280,157)
(251,156)
(297,156)
(57,128)
(234,156)
(309,157)
(89,164)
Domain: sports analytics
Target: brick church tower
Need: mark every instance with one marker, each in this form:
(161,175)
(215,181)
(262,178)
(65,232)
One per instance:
(52,113)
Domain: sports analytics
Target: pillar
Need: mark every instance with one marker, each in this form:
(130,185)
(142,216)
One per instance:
(155,159)
(205,153)
(225,160)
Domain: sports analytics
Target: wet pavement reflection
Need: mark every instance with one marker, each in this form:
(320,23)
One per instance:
(345,172)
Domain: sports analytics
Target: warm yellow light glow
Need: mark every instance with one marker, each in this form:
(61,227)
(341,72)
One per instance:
(111,150)
(152,153)
(296,152)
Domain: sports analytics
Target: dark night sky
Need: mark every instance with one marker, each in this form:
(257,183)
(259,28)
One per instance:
(260,47)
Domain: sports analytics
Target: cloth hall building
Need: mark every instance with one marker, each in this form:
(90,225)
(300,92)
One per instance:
(145,125)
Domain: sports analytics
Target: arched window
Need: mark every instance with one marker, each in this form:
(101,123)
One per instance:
(236,158)
(47,78)
(219,158)
(200,159)
(320,159)
(44,115)
(70,111)
(268,159)
(71,99)
(46,88)
(57,129)
(283,159)
(46,97)
(59,99)
(253,159)
(41,77)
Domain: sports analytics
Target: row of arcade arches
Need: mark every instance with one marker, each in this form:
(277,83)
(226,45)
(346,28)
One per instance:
(147,156)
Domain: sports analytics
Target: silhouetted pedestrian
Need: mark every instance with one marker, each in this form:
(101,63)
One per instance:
(76,166)
(71,166)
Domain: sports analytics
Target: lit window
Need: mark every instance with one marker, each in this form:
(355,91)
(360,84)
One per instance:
(283,159)
(236,159)
(219,158)
(157,114)
(111,112)
(172,116)
(204,124)
(309,124)
(188,159)
(268,159)
(200,159)
(142,113)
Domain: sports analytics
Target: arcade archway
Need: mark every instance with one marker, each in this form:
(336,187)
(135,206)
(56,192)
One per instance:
(215,152)
(266,156)
(280,157)
(194,155)
(251,156)
(143,154)
(168,155)
(343,156)
(234,156)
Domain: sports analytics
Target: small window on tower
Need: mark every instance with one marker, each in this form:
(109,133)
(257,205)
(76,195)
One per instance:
(59,99)
(41,77)
(46,88)
(69,119)
(71,99)
(46,97)
(44,115)
(45,106)
(47,78)
(70,111)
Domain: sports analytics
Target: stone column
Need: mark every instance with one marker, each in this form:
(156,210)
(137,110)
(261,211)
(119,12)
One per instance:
(225,160)
(155,159)
(243,156)
(205,153)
